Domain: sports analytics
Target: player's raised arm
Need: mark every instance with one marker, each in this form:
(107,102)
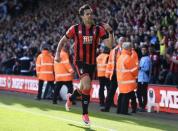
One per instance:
(110,42)
(61,43)
(106,34)
(69,34)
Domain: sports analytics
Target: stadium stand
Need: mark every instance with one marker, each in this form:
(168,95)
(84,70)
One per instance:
(24,28)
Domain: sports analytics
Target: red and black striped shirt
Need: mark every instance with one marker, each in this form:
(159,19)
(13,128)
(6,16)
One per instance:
(86,40)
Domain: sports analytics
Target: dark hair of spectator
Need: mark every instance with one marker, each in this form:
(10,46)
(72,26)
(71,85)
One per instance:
(145,46)
(84,7)
(45,47)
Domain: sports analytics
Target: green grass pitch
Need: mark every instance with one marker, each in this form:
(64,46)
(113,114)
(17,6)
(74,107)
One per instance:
(18,113)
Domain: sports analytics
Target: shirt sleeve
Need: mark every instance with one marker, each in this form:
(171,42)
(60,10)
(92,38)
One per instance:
(146,65)
(103,33)
(70,32)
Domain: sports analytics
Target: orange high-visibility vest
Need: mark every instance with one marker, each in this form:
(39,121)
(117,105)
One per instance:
(127,70)
(45,66)
(110,65)
(63,70)
(102,60)
(134,56)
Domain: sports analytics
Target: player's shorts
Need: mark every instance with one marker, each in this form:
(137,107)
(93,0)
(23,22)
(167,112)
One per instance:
(84,69)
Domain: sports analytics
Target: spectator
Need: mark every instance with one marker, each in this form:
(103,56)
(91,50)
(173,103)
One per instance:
(32,68)
(154,40)
(172,76)
(143,78)
(25,64)
(142,22)
(155,64)
(3,11)
(16,68)
(162,74)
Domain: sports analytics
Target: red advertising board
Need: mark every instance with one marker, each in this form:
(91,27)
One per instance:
(19,83)
(165,96)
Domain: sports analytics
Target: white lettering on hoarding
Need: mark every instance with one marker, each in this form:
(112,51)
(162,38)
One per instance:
(17,83)
(2,82)
(9,82)
(95,91)
(31,84)
(169,99)
(76,85)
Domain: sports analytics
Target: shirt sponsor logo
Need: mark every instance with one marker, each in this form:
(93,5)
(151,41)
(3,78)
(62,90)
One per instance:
(80,32)
(81,71)
(87,39)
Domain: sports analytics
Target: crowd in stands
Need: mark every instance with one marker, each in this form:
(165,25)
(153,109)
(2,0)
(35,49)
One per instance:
(152,22)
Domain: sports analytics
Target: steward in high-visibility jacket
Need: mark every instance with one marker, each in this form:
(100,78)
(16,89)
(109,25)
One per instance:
(127,71)
(132,94)
(111,74)
(113,56)
(63,69)
(134,56)
(102,61)
(63,73)
(45,71)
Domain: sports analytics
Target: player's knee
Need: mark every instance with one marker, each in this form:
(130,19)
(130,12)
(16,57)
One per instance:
(86,83)
(86,89)
(87,86)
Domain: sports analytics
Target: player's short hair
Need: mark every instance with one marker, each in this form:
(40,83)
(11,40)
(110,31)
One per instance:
(82,8)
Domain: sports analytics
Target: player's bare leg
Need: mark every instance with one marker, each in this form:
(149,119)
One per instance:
(86,85)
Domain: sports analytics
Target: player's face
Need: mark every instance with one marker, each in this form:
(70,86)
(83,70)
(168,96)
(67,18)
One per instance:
(88,16)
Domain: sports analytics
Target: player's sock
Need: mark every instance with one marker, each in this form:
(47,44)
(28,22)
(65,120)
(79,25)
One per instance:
(75,94)
(85,103)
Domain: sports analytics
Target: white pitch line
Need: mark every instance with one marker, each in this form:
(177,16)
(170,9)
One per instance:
(57,118)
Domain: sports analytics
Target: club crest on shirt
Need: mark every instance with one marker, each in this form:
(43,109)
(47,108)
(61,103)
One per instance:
(87,39)
(81,71)
(80,32)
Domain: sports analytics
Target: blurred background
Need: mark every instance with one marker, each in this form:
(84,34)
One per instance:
(26,24)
